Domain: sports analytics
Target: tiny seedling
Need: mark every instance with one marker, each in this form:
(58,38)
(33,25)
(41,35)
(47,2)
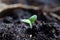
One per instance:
(30,21)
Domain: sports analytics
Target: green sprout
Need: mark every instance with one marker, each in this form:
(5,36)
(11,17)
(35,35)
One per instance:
(30,21)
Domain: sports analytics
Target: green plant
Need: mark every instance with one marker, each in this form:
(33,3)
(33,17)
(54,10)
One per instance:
(30,21)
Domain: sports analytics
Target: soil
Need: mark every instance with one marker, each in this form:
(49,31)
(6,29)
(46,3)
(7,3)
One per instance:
(11,28)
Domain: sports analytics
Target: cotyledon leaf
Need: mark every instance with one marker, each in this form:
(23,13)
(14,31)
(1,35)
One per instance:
(33,18)
(30,21)
(26,21)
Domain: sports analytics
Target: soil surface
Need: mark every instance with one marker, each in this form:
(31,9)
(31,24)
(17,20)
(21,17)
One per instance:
(11,28)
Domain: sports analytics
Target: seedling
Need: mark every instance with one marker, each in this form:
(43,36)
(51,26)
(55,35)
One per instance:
(30,21)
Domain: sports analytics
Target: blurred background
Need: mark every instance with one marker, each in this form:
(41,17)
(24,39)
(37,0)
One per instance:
(32,2)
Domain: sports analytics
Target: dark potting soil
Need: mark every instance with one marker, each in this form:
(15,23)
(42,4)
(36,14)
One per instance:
(14,29)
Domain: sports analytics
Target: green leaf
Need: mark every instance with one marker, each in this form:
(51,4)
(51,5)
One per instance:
(30,21)
(27,21)
(33,18)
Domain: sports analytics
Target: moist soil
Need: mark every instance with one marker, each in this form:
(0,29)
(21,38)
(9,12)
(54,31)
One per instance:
(11,28)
